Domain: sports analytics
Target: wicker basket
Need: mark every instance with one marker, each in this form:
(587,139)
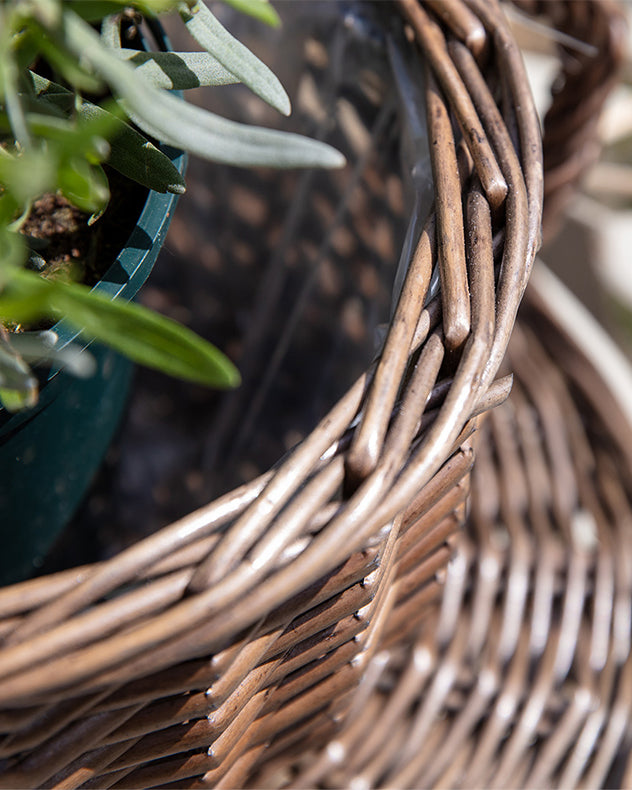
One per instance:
(522,675)
(284,612)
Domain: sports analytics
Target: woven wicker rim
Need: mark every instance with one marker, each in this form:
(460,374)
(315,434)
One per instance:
(87,652)
(199,607)
(521,674)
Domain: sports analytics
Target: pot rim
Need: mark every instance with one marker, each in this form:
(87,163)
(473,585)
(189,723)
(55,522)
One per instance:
(133,264)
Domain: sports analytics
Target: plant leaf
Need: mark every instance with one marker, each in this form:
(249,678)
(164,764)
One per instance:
(135,157)
(70,138)
(178,70)
(13,250)
(84,185)
(27,174)
(183,125)
(212,137)
(130,152)
(234,56)
(258,9)
(14,373)
(17,399)
(18,386)
(142,335)
(95,10)
(67,66)
(41,347)
(10,96)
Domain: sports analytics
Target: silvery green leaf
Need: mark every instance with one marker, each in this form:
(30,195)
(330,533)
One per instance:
(168,70)
(211,137)
(234,56)
(178,70)
(141,334)
(41,347)
(183,125)
(111,31)
(130,153)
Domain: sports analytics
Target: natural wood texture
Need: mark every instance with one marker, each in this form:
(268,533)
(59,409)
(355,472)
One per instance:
(520,674)
(306,629)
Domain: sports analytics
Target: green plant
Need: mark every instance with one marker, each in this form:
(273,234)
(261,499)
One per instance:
(56,137)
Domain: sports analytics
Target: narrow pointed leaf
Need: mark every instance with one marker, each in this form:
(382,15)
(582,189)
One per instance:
(111,31)
(234,56)
(130,152)
(142,335)
(178,70)
(220,140)
(183,125)
(41,347)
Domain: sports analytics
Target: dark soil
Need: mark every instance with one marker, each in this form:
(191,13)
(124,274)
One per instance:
(70,248)
(73,250)
(63,229)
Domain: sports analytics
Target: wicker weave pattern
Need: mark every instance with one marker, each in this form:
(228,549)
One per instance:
(522,675)
(243,630)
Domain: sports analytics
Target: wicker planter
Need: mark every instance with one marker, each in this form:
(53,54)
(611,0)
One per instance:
(49,454)
(267,638)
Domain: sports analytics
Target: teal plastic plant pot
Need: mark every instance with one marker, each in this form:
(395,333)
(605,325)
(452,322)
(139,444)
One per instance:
(50,454)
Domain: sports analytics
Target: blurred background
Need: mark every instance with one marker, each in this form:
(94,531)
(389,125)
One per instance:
(591,250)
